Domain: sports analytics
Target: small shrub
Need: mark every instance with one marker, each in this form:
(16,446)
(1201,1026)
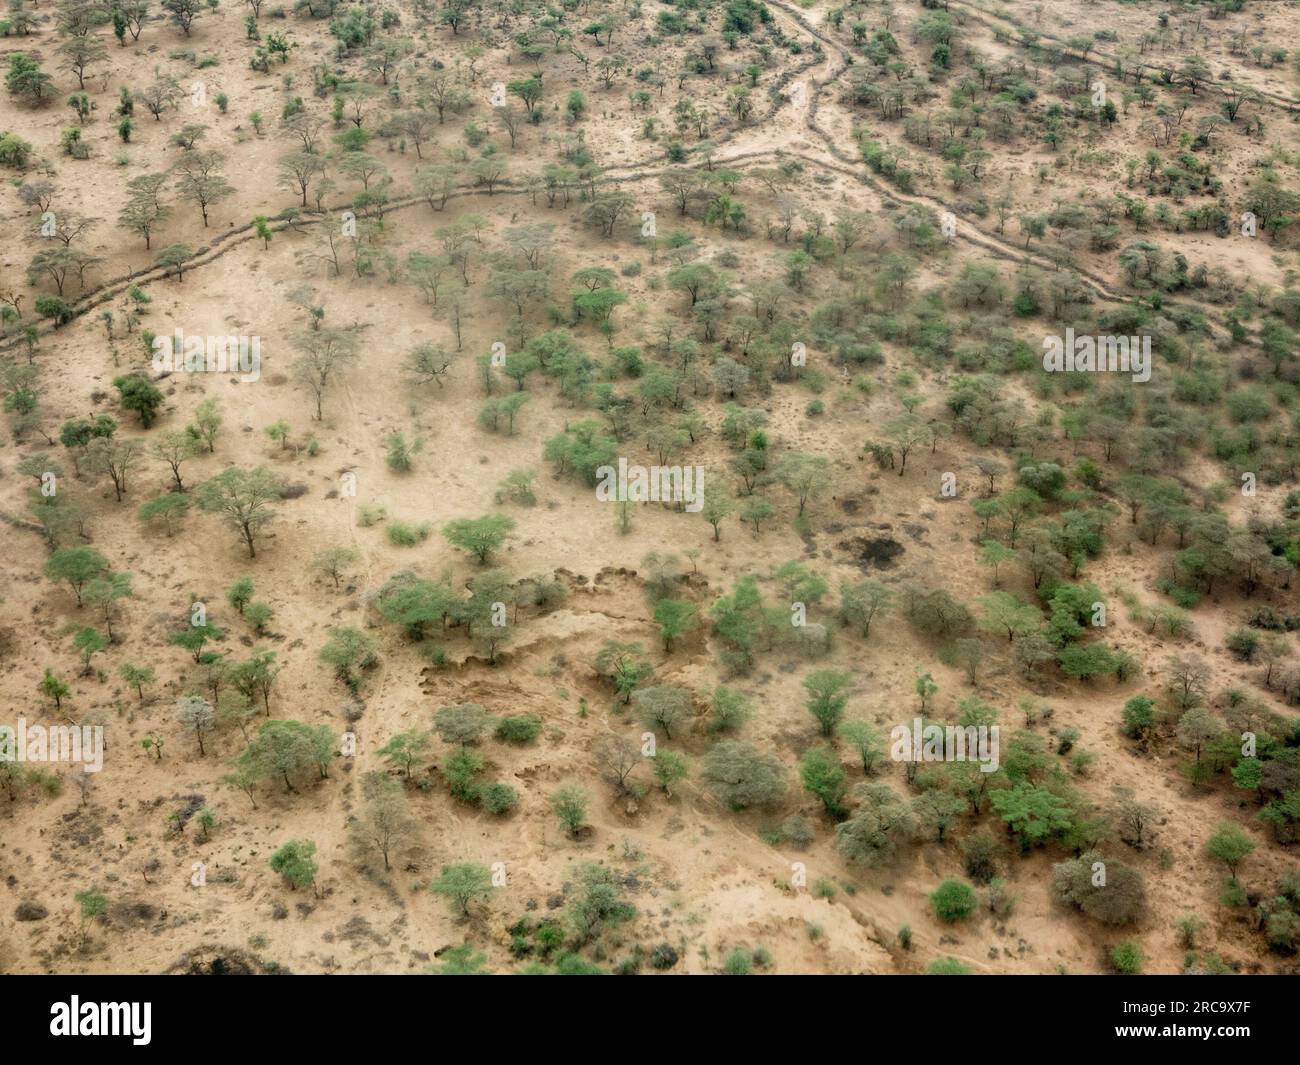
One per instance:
(404,534)
(739,962)
(1127,958)
(947,967)
(663,957)
(518,728)
(953,900)
(498,798)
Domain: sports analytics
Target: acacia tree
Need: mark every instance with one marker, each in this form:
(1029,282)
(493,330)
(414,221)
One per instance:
(662,706)
(175,447)
(569,801)
(160,95)
(59,265)
(806,476)
(616,759)
(332,563)
(385,826)
(462,884)
(244,499)
(741,776)
(436,184)
(183,12)
(1118,900)
(134,12)
(407,748)
(860,603)
(79,53)
(416,125)
(877,825)
(144,210)
(27,80)
(349,650)
(77,566)
(461,723)
(200,181)
(306,126)
(624,665)
(324,352)
(480,536)
(298,170)
(113,458)
(104,591)
(195,712)
(429,362)
(281,749)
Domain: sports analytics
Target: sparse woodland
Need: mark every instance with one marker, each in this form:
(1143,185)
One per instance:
(389,682)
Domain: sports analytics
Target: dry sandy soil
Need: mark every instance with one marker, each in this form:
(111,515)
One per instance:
(702,878)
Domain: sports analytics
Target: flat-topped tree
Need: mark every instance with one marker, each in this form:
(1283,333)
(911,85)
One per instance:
(38,194)
(194,638)
(78,566)
(299,169)
(282,749)
(183,12)
(741,776)
(60,265)
(168,508)
(175,447)
(461,723)
(137,677)
(462,884)
(199,180)
(70,226)
(861,602)
(662,706)
(88,642)
(173,258)
(480,536)
(429,362)
(414,603)
(332,563)
(406,749)
(159,95)
(80,53)
(245,499)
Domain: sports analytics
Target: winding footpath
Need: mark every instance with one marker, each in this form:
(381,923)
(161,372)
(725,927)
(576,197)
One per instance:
(745,145)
